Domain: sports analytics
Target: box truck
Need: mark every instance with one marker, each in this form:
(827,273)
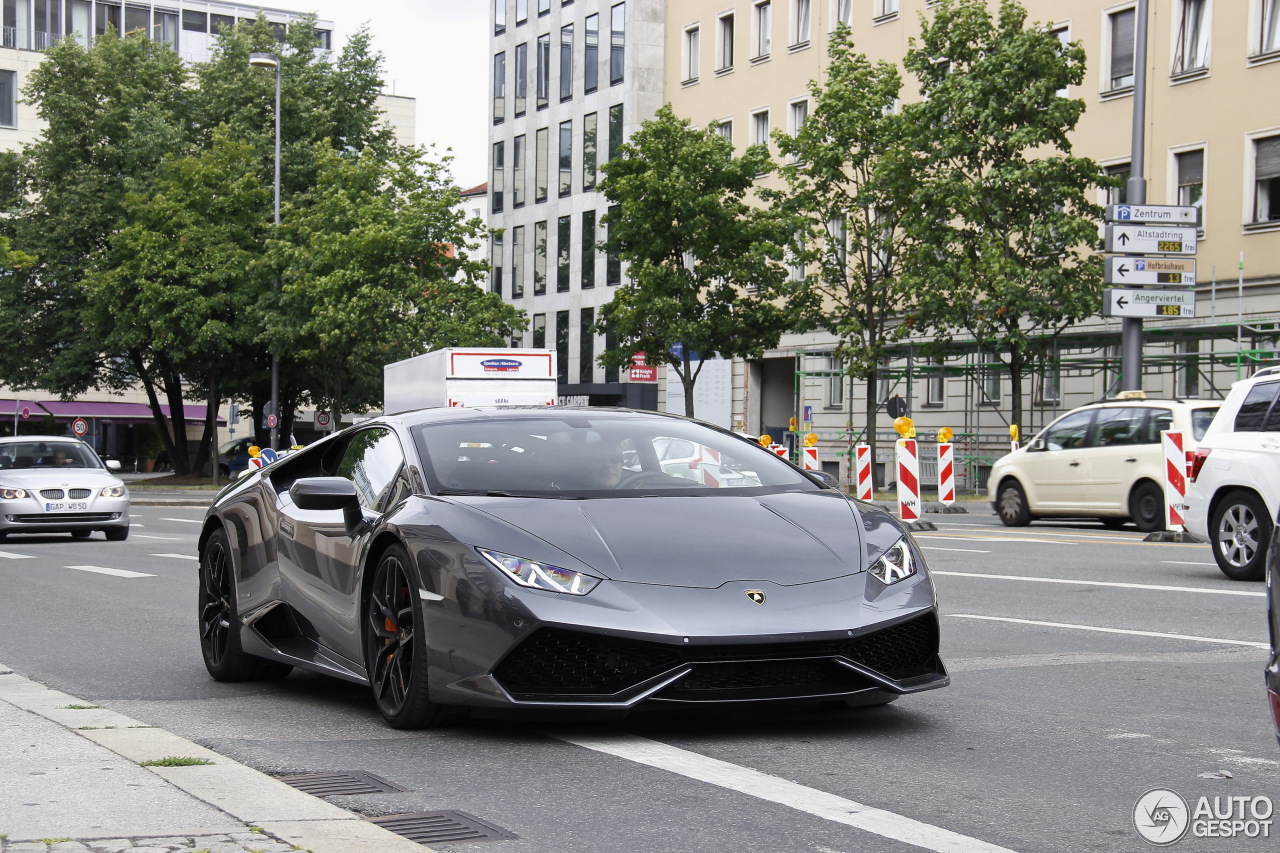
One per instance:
(470,376)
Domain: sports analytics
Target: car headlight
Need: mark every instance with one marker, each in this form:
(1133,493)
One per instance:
(11,494)
(895,564)
(537,575)
(114,492)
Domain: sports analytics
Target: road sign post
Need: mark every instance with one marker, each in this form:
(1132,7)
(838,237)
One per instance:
(1118,302)
(1154,214)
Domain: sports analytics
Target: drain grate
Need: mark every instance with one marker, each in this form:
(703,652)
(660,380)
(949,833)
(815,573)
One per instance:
(340,784)
(447,827)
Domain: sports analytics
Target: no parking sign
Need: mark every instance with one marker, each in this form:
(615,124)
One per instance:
(80,427)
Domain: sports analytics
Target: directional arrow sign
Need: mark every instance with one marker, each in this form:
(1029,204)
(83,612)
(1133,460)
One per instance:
(1148,303)
(1155,214)
(1154,239)
(1144,271)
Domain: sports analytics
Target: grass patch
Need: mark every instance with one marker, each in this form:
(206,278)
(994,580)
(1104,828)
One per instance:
(174,761)
(80,707)
(93,728)
(55,840)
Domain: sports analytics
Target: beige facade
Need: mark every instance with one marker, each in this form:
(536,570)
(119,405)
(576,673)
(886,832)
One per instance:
(1212,139)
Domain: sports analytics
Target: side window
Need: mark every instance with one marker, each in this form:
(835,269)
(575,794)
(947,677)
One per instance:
(1162,419)
(1253,412)
(372,461)
(1070,432)
(1119,427)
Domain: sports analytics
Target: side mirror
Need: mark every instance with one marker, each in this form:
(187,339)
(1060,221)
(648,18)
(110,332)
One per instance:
(1038,444)
(113,465)
(328,494)
(826,479)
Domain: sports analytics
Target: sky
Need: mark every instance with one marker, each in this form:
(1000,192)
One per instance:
(435,51)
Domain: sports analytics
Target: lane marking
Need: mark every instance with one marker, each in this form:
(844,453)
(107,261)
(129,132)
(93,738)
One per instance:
(119,573)
(1067,625)
(962,538)
(161,538)
(1189,563)
(1100,536)
(1150,586)
(185,520)
(965,550)
(178,556)
(763,786)
(9,555)
(1015,538)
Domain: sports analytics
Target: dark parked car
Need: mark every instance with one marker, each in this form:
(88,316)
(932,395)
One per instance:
(542,558)
(233,457)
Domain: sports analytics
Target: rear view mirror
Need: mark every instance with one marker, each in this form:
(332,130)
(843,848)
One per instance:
(113,465)
(1038,444)
(329,493)
(825,478)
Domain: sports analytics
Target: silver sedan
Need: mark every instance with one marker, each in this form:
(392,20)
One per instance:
(59,485)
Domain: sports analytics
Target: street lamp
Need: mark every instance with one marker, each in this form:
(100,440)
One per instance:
(271,60)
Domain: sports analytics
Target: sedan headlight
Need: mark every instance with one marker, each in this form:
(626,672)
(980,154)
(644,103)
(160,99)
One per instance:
(537,575)
(114,492)
(895,564)
(11,494)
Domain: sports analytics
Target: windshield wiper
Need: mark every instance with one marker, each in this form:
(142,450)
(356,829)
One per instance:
(486,493)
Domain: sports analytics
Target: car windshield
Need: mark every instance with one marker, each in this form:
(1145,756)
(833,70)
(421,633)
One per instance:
(236,445)
(580,454)
(47,454)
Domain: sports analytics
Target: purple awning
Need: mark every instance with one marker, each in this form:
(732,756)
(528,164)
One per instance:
(111,410)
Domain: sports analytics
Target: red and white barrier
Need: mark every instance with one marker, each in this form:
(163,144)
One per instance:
(707,464)
(908,480)
(1175,480)
(809,459)
(863,481)
(946,473)
(780,449)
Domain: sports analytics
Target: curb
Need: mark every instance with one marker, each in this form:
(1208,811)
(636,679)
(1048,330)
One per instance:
(241,792)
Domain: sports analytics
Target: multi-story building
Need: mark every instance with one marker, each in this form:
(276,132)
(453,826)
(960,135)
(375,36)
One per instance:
(570,81)
(1212,140)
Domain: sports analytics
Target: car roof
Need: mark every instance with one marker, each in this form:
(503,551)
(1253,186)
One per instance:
(15,439)
(1160,402)
(455,414)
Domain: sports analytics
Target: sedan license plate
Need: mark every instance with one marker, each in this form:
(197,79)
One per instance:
(66,506)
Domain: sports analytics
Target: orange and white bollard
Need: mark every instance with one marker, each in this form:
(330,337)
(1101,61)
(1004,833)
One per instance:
(864,482)
(809,459)
(946,473)
(908,480)
(1175,480)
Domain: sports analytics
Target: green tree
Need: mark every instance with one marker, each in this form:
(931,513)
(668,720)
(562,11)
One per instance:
(375,270)
(705,264)
(851,175)
(1003,216)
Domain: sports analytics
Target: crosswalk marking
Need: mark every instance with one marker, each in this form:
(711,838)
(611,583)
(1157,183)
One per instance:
(103,570)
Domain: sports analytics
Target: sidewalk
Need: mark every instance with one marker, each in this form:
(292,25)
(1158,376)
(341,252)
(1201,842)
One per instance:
(72,780)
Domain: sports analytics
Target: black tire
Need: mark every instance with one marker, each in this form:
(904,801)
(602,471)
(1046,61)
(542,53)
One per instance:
(1146,506)
(80,534)
(395,645)
(1112,523)
(1240,531)
(219,627)
(117,534)
(1011,504)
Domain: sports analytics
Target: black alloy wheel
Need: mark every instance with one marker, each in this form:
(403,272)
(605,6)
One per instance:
(219,627)
(1011,504)
(395,645)
(1239,532)
(1146,506)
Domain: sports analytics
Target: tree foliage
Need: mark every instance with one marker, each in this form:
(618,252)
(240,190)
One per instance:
(1005,220)
(705,265)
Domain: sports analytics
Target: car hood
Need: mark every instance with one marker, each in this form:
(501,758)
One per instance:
(788,539)
(53,478)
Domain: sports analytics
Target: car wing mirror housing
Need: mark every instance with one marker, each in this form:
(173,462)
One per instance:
(329,494)
(113,465)
(825,478)
(1038,444)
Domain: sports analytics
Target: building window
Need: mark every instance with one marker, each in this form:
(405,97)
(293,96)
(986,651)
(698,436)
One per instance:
(760,128)
(497,177)
(843,13)
(541,140)
(522,77)
(617,43)
(192,22)
(540,258)
(1190,166)
(564,237)
(991,372)
(615,130)
(499,17)
(800,22)
(1049,384)
(562,346)
(613,264)
(543,70)
(544,7)
(1189,369)
(588,250)
(690,57)
(539,331)
(587,346)
(495,264)
(517,263)
(799,115)
(522,11)
(1270,27)
(8,98)
(566,157)
(517,172)
(591,53)
(798,270)
(885,8)
(499,87)
(589,129)
(566,62)
(1192,51)
(1121,25)
(724,43)
(835,382)
(1120,194)
(837,241)
(725,129)
(935,387)
(762,30)
(1266,169)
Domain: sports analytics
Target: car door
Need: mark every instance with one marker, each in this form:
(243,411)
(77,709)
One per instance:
(1120,453)
(1057,462)
(319,557)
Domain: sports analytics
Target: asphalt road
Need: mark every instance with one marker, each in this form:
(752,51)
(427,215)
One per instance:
(1089,667)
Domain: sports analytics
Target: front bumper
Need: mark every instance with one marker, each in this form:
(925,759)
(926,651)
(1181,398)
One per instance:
(34,515)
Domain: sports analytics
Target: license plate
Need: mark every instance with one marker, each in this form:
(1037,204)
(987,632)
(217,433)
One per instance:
(66,506)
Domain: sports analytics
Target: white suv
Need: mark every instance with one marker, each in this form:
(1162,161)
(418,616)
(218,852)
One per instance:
(1099,461)
(1234,491)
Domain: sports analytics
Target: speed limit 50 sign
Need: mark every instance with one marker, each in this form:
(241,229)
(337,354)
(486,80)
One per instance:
(80,427)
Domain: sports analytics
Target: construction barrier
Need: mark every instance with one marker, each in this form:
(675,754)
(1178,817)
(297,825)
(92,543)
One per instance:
(809,458)
(780,449)
(946,474)
(908,480)
(1175,481)
(863,481)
